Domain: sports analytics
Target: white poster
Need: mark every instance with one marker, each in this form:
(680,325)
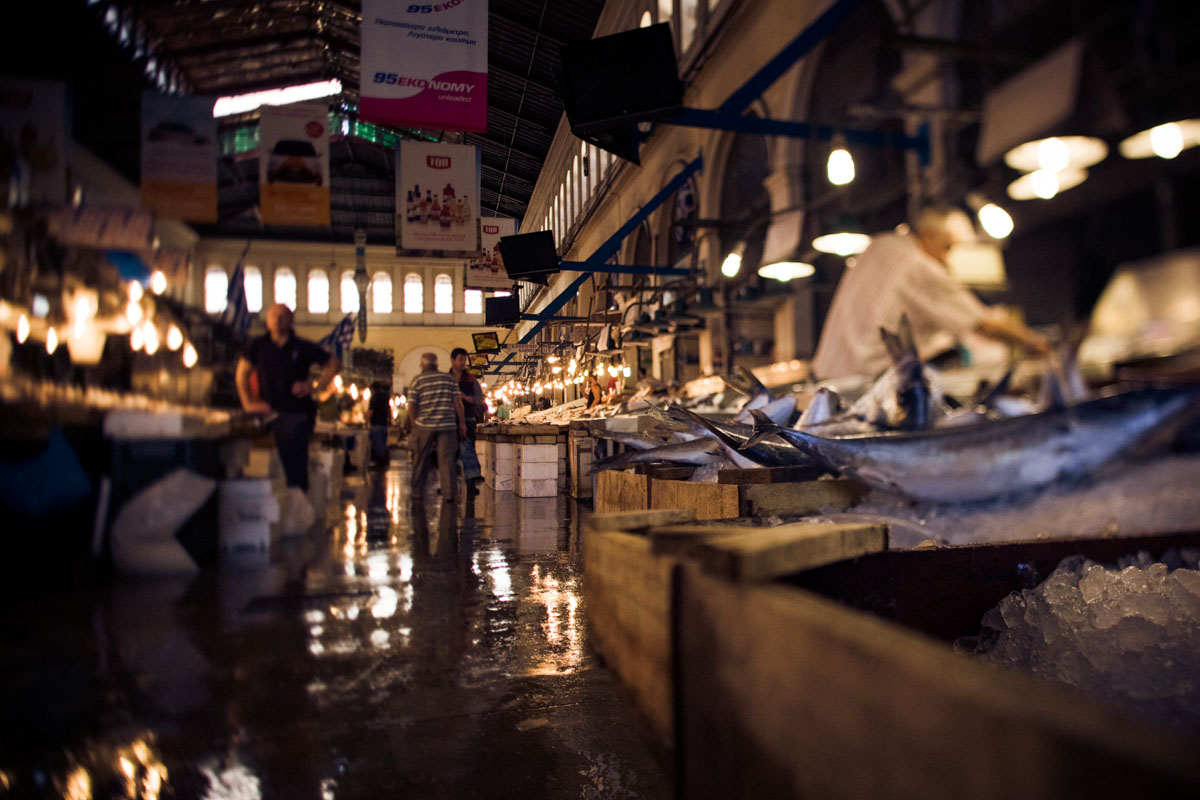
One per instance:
(179,156)
(293,164)
(487,271)
(33,143)
(437,199)
(425,65)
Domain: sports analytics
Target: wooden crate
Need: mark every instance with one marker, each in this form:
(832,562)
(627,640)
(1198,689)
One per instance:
(621,491)
(840,682)
(711,500)
(628,579)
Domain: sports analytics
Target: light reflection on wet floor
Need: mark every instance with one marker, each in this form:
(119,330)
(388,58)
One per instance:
(413,650)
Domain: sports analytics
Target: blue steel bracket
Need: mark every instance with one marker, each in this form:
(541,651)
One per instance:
(621,269)
(726,121)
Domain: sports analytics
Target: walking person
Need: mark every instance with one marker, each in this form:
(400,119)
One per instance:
(435,423)
(473,410)
(281,360)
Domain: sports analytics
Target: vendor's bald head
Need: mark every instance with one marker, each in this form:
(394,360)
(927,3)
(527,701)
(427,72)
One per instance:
(279,321)
(938,228)
(428,361)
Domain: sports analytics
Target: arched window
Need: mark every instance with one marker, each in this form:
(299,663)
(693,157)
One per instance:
(580,192)
(665,8)
(216,288)
(285,287)
(571,205)
(647,20)
(381,293)
(318,292)
(688,18)
(414,294)
(473,301)
(349,292)
(443,295)
(252,281)
(587,178)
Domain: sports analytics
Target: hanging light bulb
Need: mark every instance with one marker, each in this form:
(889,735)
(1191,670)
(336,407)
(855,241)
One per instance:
(22,329)
(338,384)
(627,371)
(840,166)
(136,338)
(174,338)
(366,394)
(150,335)
(1045,185)
(51,341)
(1057,153)
(733,262)
(158,282)
(551,359)
(787,270)
(133,312)
(572,367)
(189,355)
(135,292)
(354,391)
(1164,141)
(995,221)
(842,243)
(556,369)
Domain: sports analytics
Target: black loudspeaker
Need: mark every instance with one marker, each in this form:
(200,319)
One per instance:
(529,256)
(501,311)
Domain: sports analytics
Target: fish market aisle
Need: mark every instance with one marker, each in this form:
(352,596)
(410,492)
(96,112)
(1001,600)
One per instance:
(436,653)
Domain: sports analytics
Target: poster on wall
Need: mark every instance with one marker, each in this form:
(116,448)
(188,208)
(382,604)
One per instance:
(437,199)
(487,271)
(293,164)
(425,65)
(33,143)
(179,156)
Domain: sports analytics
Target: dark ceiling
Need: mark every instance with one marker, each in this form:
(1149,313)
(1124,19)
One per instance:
(219,47)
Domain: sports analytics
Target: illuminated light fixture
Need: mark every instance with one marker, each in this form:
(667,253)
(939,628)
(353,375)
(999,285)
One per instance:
(190,357)
(133,312)
(556,369)
(551,359)
(366,395)
(733,262)
(1044,185)
(51,341)
(572,368)
(22,329)
(242,103)
(1057,153)
(136,338)
(354,391)
(338,383)
(842,244)
(627,372)
(1164,141)
(174,338)
(840,166)
(41,306)
(158,282)
(135,292)
(995,221)
(787,270)
(150,335)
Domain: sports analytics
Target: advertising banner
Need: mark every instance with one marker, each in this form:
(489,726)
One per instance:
(33,143)
(293,164)
(437,199)
(425,65)
(487,271)
(179,156)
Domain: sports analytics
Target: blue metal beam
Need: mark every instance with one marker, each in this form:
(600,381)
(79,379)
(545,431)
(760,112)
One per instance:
(613,243)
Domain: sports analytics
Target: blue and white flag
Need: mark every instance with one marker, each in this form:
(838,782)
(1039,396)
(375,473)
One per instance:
(341,336)
(237,313)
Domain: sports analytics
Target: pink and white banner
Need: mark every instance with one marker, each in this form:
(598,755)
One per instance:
(425,65)
(437,199)
(487,271)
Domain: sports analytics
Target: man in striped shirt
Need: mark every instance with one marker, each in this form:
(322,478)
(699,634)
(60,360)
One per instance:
(436,421)
(907,274)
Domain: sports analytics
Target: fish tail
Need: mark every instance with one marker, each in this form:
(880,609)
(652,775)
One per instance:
(619,461)
(764,428)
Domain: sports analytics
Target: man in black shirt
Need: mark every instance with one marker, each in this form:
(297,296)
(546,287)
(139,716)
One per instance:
(280,361)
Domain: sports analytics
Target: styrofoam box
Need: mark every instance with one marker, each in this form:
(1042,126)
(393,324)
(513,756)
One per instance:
(535,487)
(504,451)
(240,536)
(505,483)
(537,470)
(246,501)
(537,452)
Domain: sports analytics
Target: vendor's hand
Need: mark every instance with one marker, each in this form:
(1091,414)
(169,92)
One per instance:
(302,388)
(462,430)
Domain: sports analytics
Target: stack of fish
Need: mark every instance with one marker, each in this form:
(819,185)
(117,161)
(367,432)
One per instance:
(905,437)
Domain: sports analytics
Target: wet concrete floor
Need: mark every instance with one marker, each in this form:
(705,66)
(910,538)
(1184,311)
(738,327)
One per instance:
(411,650)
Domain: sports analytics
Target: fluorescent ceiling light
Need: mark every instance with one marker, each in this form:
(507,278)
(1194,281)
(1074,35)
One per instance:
(242,103)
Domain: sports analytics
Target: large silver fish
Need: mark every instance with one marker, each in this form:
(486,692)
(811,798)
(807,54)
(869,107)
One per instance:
(734,436)
(999,457)
(697,451)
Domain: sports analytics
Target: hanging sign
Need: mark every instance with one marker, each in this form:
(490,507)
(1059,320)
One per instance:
(425,65)
(33,137)
(437,193)
(487,271)
(179,156)
(293,164)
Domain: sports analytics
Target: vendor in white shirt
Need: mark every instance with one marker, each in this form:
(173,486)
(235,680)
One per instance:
(907,274)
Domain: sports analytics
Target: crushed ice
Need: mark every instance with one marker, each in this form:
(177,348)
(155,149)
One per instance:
(1128,636)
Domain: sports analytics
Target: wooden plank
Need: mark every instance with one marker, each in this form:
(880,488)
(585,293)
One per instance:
(621,491)
(770,475)
(638,520)
(711,500)
(807,497)
(667,472)
(785,694)
(764,553)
